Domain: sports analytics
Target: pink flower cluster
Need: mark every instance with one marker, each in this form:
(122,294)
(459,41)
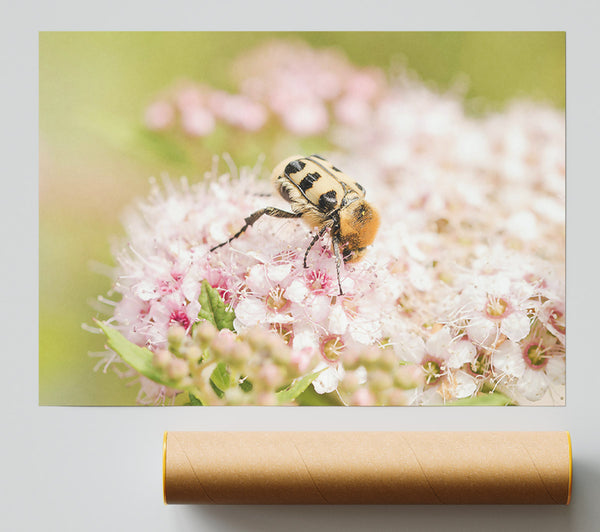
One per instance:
(496,322)
(289,84)
(198,108)
(260,275)
(482,203)
(308,89)
(462,292)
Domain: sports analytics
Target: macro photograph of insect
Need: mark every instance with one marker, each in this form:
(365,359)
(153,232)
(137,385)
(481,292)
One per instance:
(325,198)
(311,218)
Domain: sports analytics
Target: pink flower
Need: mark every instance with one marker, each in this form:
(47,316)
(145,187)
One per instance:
(306,118)
(197,121)
(238,110)
(352,111)
(159,115)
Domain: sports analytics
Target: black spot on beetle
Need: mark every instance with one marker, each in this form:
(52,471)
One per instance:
(360,187)
(328,201)
(336,169)
(294,166)
(308,180)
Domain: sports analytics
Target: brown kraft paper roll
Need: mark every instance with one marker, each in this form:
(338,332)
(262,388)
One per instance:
(367,467)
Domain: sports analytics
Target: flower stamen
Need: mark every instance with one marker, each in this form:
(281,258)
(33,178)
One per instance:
(332,348)
(275,299)
(534,355)
(497,307)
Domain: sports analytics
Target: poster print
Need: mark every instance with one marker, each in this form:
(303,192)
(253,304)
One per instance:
(365,218)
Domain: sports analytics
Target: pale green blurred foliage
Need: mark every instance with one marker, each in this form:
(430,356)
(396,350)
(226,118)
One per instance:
(93,90)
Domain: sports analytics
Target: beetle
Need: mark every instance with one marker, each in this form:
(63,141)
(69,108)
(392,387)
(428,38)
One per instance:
(325,198)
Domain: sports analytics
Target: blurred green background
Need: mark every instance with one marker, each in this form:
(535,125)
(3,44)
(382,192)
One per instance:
(95,157)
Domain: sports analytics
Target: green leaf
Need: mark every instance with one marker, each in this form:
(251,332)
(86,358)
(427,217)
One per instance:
(297,387)
(484,399)
(310,397)
(246,386)
(219,393)
(194,401)
(213,308)
(220,379)
(139,358)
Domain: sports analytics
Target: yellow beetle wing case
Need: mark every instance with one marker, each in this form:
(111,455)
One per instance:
(313,186)
(339,175)
(308,188)
(325,198)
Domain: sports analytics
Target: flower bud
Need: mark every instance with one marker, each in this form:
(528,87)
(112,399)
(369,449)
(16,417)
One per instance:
(240,354)
(185,382)
(278,350)
(351,382)
(257,337)
(175,336)
(409,376)
(235,396)
(387,359)
(223,343)
(362,397)
(192,353)
(204,332)
(370,356)
(270,375)
(161,359)
(380,380)
(266,399)
(177,369)
(394,397)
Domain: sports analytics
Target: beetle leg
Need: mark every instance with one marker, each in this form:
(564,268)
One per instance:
(336,251)
(269,211)
(313,242)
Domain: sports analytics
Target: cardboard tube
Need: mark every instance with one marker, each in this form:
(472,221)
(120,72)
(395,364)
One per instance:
(367,467)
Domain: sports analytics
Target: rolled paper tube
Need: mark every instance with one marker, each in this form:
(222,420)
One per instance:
(367,467)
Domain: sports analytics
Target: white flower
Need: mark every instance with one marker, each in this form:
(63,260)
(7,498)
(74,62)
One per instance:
(532,368)
(328,380)
(464,385)
(508,360)
(338,321)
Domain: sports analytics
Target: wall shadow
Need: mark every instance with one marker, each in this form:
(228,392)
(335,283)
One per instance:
(582,515)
